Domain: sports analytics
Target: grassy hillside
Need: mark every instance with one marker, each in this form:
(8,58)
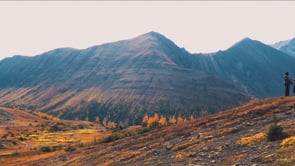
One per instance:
(235,136)
(29,136)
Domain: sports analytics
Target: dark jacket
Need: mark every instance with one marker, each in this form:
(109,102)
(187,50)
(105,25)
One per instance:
(287,80)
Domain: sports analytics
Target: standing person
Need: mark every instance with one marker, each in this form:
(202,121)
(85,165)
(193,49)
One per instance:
(288,82)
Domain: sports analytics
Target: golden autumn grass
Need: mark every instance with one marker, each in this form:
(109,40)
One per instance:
(251,140)
(286,151)
(64,137)
(28,137)
(290,141)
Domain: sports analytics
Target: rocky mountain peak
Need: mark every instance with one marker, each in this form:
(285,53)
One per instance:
(287,46)
(244,42)
(151,38)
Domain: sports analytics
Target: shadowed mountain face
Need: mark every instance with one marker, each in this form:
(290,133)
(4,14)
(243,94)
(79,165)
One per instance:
(249,65)
(287,46)
(120,81)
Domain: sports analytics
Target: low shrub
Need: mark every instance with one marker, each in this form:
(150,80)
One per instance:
(274,133)
(4,136)
(143,130)
(70,148)
(45,149)
(22,139)
(111,138)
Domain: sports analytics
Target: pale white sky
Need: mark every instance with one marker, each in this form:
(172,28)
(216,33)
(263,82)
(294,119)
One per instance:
(31,28)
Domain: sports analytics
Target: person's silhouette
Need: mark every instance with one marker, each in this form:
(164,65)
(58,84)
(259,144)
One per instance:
(288,82)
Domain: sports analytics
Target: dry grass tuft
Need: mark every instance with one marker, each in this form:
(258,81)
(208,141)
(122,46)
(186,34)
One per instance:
(251,140)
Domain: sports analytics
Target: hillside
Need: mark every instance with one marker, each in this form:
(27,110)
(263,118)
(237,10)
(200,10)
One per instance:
(249,65)
(24,135)
(233,137)
(120,81)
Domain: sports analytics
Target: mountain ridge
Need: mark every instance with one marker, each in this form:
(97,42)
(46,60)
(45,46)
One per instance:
(249,65)
(145,74)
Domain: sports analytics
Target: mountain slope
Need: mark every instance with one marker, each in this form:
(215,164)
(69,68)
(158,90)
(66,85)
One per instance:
(232,137)
(287,46)
(249,65)
(119,81)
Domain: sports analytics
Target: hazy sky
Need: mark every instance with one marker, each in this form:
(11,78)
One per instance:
(31,28)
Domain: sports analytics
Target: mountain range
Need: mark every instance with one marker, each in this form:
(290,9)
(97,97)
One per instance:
(249,65)
(124,80)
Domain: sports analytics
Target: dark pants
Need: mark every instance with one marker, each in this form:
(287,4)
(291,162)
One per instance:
(287,90)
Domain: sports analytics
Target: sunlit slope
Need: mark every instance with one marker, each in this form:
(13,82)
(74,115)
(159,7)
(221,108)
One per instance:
(235,136)
(27,136)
